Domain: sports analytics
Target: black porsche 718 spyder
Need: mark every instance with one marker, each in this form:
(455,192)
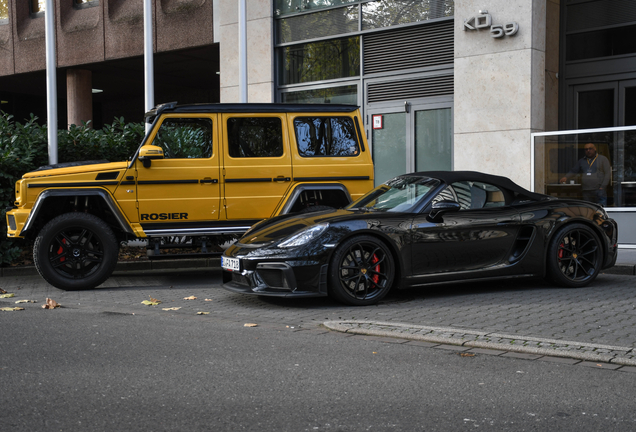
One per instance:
(420,229)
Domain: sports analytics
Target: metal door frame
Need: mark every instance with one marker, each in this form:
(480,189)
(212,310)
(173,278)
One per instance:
(408,107)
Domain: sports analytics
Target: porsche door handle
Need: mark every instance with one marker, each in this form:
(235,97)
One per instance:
(282,179)
(209,180)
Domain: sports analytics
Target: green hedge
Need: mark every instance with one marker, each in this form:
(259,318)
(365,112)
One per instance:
(24,147)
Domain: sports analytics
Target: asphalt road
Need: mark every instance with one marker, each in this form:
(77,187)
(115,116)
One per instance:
(105,362)
(70,369)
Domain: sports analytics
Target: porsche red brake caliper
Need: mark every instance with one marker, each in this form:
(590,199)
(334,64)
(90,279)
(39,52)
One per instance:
(561,250)
(60,250)
(375,277)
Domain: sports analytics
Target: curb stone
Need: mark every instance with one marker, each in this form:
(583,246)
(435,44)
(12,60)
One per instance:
(490,340)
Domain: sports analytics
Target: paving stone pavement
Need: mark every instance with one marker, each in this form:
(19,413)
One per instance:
(597,322)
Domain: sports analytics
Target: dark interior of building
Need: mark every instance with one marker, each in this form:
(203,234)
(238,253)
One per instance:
(185,76)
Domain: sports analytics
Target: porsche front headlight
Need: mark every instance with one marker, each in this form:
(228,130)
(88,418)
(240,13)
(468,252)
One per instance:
(304,236)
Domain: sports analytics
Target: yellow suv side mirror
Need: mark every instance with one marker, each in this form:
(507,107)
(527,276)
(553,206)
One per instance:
(149,152)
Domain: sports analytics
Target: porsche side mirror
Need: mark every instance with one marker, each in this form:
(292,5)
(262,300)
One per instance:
(149,152)
(441,207)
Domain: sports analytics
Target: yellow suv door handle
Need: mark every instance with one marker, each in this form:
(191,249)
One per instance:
(209,180)
(282,179)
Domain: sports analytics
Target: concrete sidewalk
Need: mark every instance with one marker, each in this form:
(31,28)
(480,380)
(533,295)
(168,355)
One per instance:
(625,265)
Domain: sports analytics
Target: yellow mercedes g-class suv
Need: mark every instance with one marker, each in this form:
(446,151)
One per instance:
(201,170)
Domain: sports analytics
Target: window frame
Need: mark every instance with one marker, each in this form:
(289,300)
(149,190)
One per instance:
(192,119)
(85,5)
(313,118)
(229,138)
(4,21)
(33,13)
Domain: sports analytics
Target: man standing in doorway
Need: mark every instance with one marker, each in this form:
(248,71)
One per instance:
(595,175)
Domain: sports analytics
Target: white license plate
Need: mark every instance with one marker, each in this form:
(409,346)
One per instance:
(233,264)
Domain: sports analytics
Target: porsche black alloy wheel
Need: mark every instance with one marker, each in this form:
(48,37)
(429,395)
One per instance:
(361,271)
(75,251)
(574,256)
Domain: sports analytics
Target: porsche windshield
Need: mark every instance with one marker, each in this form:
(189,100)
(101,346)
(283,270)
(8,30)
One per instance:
(397,195)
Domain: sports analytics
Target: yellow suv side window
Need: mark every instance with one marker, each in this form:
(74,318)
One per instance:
(326,136)
(255,137)
(183,138)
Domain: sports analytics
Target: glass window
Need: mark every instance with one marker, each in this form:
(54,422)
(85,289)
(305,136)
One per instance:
(601,43)
(283,7)
(595,109)
(185,138)
(4,11)
(318,25)
(400,194)
(317,61)
(38,6)
(630,106)
(389,147)
(474,195)
(387,13)
(589,166)
(255,137)
(433,140)
(336,95)
(326,136)
(81,4)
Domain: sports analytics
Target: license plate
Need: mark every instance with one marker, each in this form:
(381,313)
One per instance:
(232,264)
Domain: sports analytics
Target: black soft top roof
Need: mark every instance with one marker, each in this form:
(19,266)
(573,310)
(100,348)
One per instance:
(172,107)
(449,177)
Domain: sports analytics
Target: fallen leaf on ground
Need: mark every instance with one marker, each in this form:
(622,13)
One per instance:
(467,355)
(250,325)
(26,301)
(207,300)
(50,304)
(11,309)
(172,308)
(149,303)
(9,295)
(154,300)
(203,313)
(190,298)
(2,291)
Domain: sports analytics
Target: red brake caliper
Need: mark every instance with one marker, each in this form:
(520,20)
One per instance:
(375,277)
(561,250)
(60,250)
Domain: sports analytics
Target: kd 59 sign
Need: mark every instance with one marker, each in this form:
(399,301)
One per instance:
(483,20)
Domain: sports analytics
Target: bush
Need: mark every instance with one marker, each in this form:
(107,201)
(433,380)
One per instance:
(24,147)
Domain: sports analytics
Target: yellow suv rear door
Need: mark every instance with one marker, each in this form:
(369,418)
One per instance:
(257,164)
(329,147)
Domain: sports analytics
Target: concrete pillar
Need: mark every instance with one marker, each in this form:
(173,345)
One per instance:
(260,50)
(499,86)
(79,95)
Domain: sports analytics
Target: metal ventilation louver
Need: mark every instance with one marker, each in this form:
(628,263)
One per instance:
(439,85)
(408,48)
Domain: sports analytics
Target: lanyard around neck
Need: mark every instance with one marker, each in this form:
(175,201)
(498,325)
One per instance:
(590,163)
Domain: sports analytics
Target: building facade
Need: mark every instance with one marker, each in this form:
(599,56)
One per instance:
(506,87)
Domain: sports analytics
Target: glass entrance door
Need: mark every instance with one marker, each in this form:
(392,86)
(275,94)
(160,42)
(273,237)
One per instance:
(602,105)
(410,137)
(627,117)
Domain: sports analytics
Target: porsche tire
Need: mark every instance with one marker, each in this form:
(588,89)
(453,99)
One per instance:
(574,256)
(361,271)
(75,251)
